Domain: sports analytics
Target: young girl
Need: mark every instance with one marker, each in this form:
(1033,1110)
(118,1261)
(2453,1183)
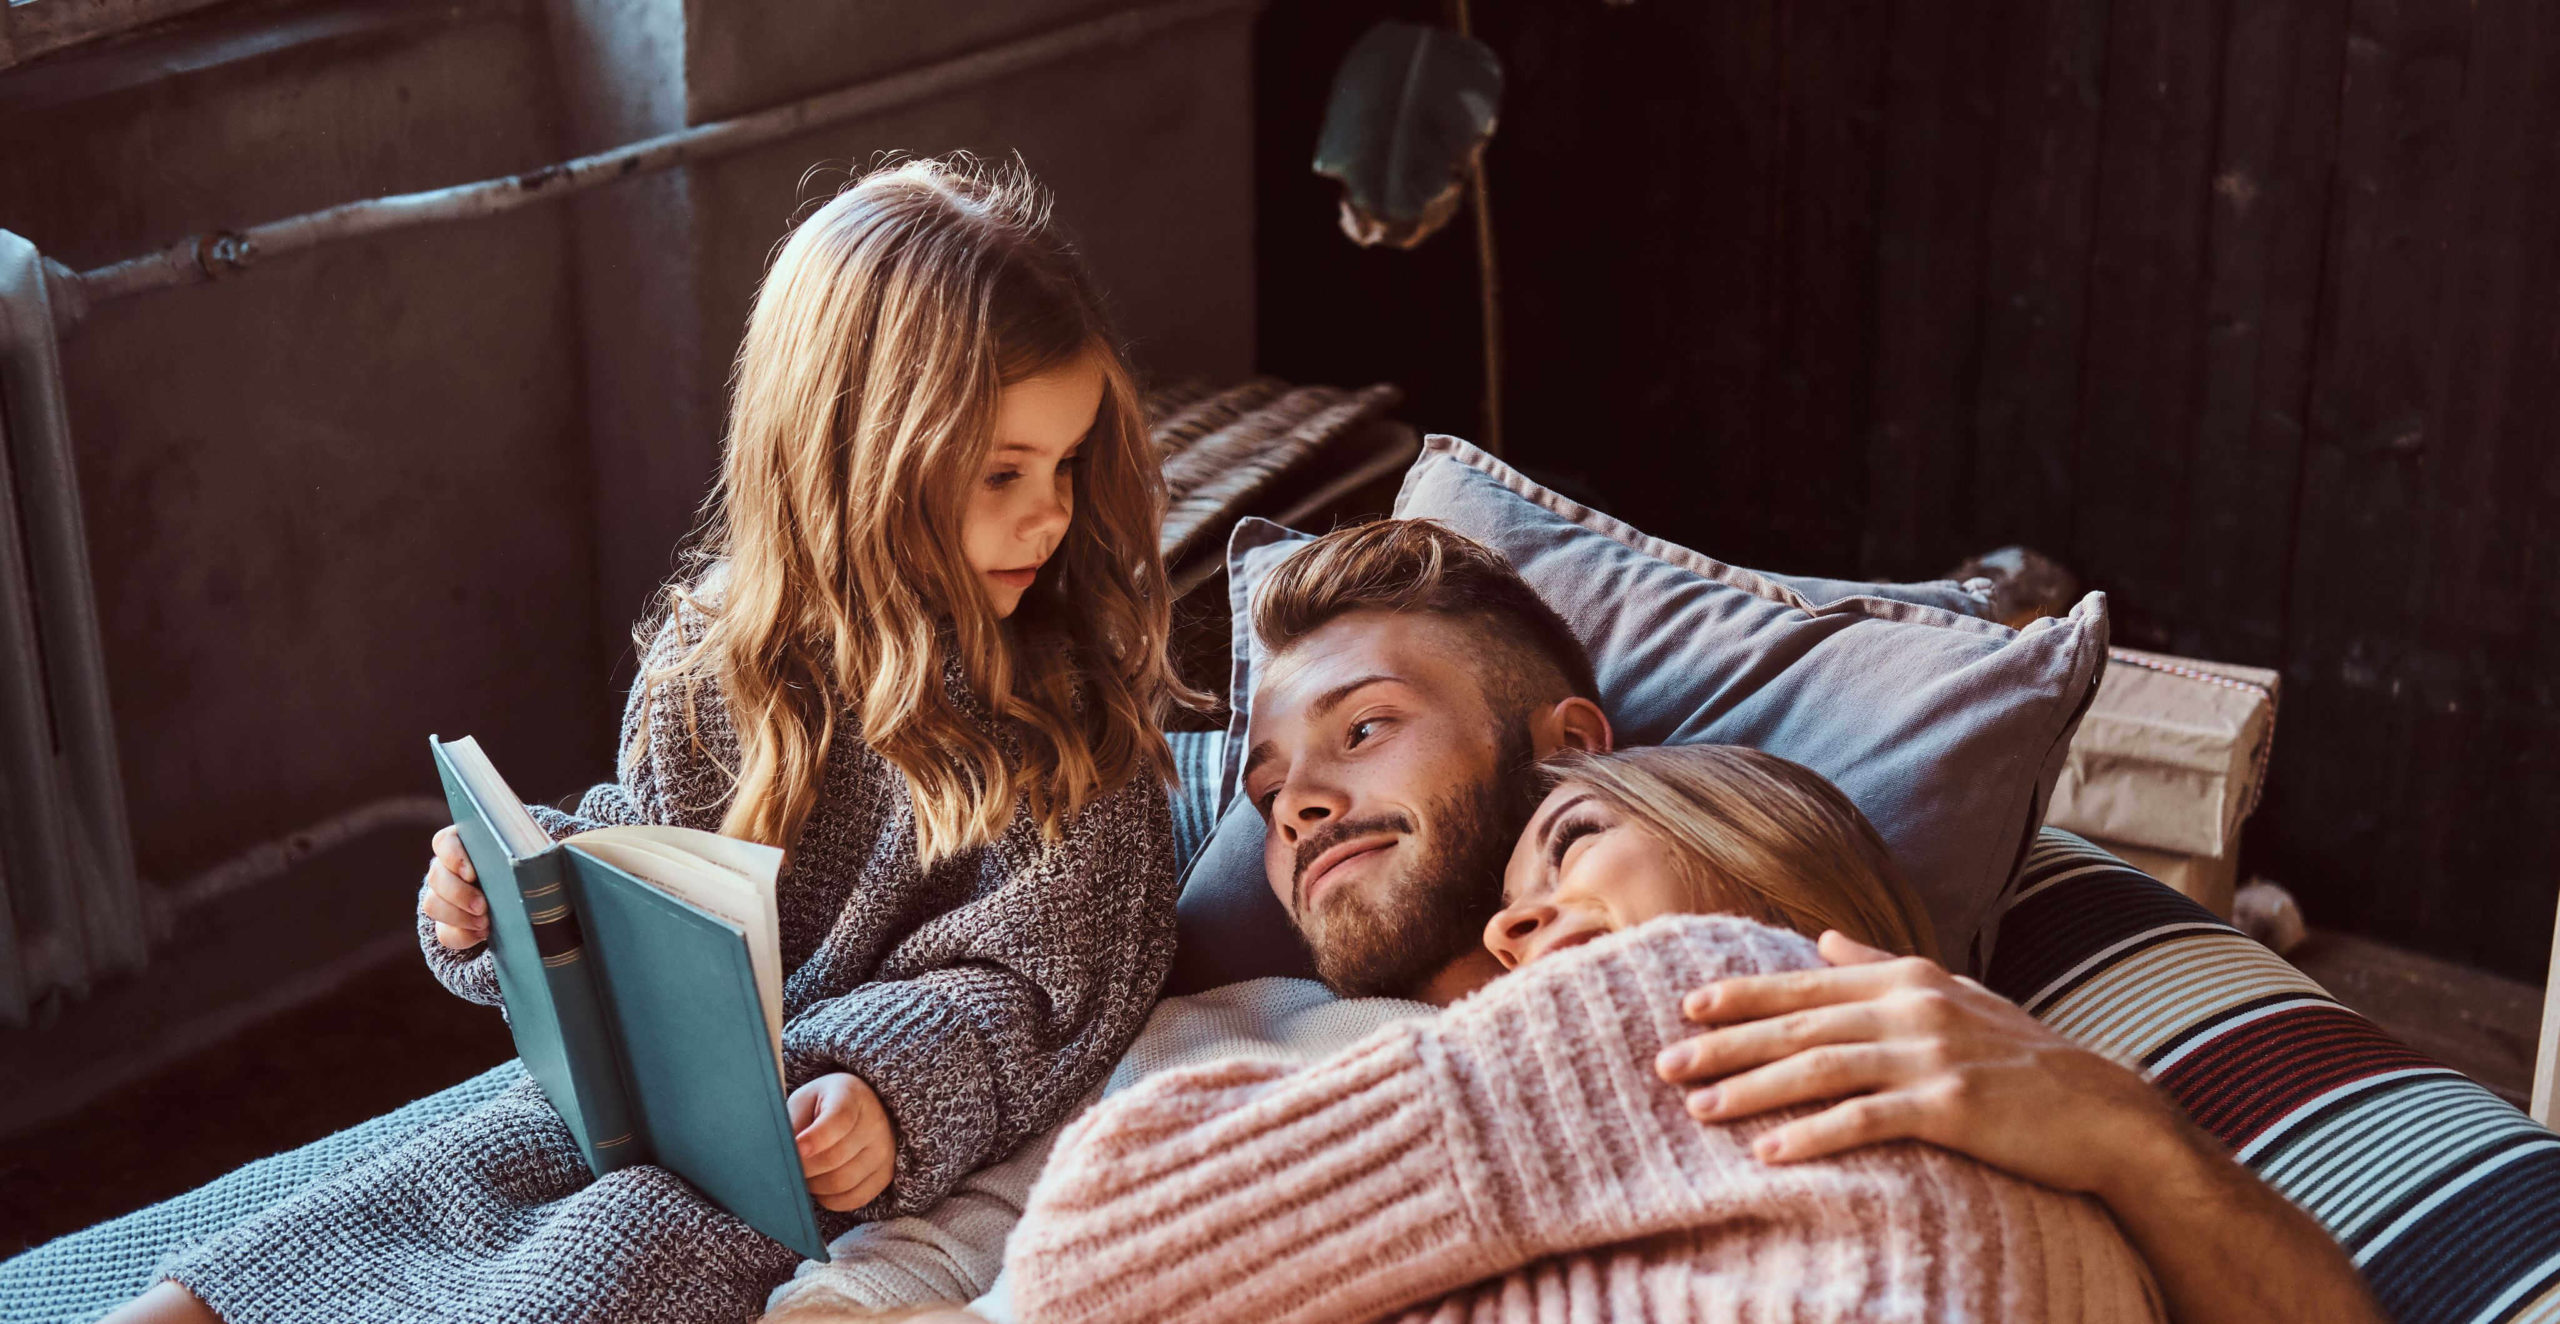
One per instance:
(923,648)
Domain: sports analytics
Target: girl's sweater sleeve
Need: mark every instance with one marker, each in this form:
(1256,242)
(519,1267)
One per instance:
(668,785)
(1524,1122)
(992,1019)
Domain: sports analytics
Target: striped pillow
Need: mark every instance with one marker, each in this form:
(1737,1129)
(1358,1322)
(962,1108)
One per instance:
(2447,1197)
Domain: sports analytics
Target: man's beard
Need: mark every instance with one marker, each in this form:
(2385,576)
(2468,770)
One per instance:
(1428,916)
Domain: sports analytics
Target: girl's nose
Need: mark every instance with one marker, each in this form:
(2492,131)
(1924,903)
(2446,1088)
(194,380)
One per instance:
(1507,935)
(1049,520)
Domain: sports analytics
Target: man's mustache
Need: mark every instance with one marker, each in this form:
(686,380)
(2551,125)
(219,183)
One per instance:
(1334,834)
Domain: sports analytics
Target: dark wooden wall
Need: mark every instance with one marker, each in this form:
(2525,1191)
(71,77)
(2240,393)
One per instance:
(2247,311)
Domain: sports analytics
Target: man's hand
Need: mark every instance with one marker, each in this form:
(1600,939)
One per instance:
(451,896)
(1912,1052)
(848,1151)
(1906,1050)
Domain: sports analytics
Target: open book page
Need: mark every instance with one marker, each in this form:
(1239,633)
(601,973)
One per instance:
(507,816)
(729,878)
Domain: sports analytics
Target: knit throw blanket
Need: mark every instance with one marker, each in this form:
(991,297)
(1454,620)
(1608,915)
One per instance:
(980,999)
(1514,1159)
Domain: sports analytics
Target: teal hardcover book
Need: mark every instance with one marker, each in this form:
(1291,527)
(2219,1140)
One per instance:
(642,970)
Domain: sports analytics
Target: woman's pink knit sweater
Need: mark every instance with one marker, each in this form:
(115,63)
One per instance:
(1516,1159)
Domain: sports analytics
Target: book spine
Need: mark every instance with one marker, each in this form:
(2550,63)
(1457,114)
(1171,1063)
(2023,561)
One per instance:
(595,1066)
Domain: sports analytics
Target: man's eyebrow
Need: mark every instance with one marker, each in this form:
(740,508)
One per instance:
(1332,698)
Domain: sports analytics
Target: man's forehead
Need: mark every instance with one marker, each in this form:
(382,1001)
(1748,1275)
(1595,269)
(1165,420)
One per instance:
(1410,647)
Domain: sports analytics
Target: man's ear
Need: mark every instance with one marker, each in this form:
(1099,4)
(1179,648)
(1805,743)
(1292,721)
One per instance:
(1577,723)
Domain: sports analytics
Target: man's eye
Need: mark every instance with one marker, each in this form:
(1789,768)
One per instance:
(1362,730)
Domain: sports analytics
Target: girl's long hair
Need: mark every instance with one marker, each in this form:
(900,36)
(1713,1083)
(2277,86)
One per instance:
(1759,836)
(862,409)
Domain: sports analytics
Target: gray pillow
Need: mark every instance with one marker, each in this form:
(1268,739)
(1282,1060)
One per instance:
(1946,728)
(1255,545)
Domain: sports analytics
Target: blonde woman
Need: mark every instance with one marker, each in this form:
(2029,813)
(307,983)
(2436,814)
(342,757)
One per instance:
(922,647)
(1629,836)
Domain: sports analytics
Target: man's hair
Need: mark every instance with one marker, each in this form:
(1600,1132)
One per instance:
(1420,565)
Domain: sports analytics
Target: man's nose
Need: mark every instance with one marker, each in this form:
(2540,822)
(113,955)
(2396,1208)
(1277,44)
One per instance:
(1306,804)
(1507,935)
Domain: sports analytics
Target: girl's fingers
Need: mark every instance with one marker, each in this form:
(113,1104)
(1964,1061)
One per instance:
(870,1190)
(1867,1120)
(829,1126)
(1831,1072)
(462,895)
(445,912)
(841,1178)
(1757,1043)
(835,1153)
(453,939)
(449,853)
(853,1184)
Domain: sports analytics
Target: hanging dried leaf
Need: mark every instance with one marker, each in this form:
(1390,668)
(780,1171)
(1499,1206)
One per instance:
(1412,110)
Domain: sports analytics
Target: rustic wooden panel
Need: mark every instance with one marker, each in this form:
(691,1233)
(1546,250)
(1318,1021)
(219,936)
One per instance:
(2282,64)
(2139,355)
(2346,794)
(1817,320)
(1713,385)
(1935,167)
(2481,644)
(2038,226)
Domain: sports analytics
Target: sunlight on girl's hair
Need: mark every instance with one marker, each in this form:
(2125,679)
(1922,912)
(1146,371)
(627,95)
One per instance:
(830,564)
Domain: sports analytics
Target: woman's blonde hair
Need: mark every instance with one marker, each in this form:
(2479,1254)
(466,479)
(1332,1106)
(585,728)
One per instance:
(862,408)
(1759,836)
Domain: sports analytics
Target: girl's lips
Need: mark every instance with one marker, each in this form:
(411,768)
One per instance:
(1015,578)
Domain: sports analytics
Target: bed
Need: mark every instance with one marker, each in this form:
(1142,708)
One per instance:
(2447,1196)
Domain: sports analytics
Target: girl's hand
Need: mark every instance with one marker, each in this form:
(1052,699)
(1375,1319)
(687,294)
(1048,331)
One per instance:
(452,896)
(847,1149)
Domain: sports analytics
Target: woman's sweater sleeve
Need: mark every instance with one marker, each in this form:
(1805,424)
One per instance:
(672,782)
(992,1019)
(1524,1122)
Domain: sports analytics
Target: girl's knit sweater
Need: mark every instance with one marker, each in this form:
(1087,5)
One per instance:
(1515,1159)
(980,999)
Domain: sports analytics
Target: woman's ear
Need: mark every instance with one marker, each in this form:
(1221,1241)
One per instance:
(1579,724)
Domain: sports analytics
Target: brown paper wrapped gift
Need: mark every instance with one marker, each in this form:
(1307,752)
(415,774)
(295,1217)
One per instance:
(2167,764)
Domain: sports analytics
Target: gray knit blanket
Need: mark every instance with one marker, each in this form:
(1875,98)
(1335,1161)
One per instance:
(78,1278)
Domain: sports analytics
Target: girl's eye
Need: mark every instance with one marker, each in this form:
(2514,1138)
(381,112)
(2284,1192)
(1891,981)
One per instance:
(1566,834)
(1003,477)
